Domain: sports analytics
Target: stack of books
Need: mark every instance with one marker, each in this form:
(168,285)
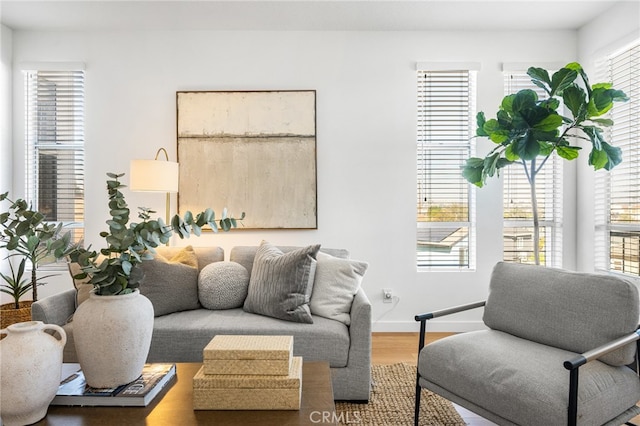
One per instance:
(248,373)
(74,390)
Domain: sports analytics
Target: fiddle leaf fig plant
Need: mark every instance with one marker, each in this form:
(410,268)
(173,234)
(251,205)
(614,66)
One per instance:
(528,130)
(115,269)
(26,234)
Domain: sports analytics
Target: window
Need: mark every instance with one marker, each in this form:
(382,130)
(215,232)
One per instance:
(618,191)
(517,213)
(445,203)
(55,146)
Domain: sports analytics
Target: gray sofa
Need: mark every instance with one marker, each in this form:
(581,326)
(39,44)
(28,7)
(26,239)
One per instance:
(181,336)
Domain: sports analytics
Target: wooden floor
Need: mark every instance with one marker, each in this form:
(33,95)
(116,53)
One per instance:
(391,348)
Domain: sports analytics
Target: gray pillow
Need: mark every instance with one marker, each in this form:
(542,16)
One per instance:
(171,287)
(281,284)
(223,285)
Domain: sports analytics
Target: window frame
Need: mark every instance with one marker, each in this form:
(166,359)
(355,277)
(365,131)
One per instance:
(54,145)
(625,130)
(463,146)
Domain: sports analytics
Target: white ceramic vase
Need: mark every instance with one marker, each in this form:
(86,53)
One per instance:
(30,368)
(112,335)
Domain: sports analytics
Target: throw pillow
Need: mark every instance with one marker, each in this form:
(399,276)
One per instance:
(335,285)
(223,285)
(281,284)
(171,286)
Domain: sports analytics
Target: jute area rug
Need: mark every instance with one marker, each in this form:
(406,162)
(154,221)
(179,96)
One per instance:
(392,402)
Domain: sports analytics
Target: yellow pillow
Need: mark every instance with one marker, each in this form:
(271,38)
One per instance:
(186,256)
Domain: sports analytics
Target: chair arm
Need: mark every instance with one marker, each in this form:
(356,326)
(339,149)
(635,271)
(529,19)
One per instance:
(596,353)
(440,313)
(55,309)
(449,311)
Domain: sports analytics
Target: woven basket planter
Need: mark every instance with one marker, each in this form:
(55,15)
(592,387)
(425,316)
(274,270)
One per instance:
(10,315)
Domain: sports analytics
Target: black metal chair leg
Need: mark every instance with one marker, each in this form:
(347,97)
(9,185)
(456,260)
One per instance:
(418,393)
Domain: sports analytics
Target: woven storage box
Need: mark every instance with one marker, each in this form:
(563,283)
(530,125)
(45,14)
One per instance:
(261,355)
(248,392)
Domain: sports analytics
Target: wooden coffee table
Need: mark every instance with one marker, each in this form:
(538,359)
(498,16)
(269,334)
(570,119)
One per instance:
(174,406)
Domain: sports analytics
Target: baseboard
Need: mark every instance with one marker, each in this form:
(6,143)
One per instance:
(434,325)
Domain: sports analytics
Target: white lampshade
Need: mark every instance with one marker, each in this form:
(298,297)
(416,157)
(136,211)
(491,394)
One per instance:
(153,176)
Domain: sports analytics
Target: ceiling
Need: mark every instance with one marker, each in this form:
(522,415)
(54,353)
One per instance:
(359,15)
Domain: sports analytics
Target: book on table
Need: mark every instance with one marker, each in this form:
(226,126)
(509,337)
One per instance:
(73,389)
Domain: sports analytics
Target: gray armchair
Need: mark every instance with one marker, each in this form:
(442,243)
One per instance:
(557,350)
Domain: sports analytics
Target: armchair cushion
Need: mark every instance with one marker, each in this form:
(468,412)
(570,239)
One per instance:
(476,367)
(568,310)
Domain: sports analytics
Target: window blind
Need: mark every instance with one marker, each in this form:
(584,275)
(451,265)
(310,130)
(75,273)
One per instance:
(55,146)
(517,210)
(445,204)
(618,191)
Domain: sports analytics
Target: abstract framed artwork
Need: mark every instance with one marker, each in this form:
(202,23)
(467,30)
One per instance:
(252,152)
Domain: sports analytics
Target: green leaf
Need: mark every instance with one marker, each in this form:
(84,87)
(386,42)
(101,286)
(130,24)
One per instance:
(595,135)
(576,100)
(188,217)
(550,123)
(526,147)
(562,79)
(614,155)
(523,100)
(126,267)
(598,158)
(510,155)
(480,120)
(472,171)
(545,148)
(568,152)
(490,164)
(540,77)
(499,136)
(507,103)
(606,122)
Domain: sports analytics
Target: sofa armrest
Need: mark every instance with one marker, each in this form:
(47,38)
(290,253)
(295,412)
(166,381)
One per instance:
(55,309)
(360,329)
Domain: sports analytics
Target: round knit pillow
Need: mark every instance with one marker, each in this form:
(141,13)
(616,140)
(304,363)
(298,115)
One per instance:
(223,285)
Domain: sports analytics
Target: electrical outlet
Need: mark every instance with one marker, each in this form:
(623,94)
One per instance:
(387,295)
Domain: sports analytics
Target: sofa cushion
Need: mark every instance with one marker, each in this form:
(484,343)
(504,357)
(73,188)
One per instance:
(527,371)
(281,284)
(562,308)
(335,284)
(181,337)
(171,286)
(223,285)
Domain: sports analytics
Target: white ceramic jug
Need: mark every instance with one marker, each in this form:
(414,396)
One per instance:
(30,368)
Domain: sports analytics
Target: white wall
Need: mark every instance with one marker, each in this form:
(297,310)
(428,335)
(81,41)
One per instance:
(611,31)
(366,125)
(6,169)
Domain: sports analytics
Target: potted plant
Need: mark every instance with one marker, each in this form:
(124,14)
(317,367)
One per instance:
(26,234)
(528,130)
(112,330)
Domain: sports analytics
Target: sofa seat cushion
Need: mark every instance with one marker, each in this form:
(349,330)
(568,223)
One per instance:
(530,371)
(181,336)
